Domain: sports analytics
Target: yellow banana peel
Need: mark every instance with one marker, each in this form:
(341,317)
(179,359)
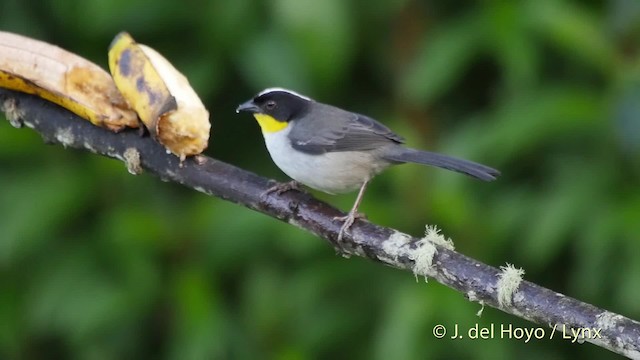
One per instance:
(75,83)
(161,95)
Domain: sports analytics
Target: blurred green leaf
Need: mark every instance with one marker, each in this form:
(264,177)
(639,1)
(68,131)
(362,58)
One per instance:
(574,30)
(625,116)
(561,208)
(71,295)
(399,338)
(270,60)
(322,33)
(624,17)
(198,317)
(514,45)
(441,60)
(59,194)
(530,120)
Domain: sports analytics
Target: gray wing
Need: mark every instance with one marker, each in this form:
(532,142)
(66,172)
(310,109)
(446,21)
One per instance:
(339,130)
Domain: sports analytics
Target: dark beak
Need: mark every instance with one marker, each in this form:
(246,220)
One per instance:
(248,106)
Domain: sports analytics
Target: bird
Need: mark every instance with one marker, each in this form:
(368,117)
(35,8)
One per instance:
(334,150)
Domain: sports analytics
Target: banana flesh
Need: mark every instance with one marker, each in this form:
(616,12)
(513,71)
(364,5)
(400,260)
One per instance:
(162,97)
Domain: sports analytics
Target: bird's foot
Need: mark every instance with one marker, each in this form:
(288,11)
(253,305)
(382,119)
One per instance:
(348,221)
(281,188)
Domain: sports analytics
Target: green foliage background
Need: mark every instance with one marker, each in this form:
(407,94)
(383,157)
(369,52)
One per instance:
(98,264)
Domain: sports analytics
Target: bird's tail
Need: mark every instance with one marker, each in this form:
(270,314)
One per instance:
(479,171)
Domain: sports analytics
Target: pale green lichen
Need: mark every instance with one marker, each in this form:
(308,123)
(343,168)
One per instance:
(607,320)
(479,313)
(65,136)
(508,282)
(395,245)
(132,161)
(12,112)
(422,258)
(472,296)
(426,250)
(432,234)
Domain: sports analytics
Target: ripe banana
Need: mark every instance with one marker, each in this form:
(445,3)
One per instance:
(45,70)
(161,95)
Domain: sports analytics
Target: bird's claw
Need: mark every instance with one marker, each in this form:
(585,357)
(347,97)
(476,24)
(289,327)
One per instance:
(281,188)
(348,221)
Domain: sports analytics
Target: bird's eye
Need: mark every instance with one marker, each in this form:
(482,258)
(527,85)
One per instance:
(270,105)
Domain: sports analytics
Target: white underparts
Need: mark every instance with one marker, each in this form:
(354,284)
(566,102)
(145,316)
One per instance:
(333,172)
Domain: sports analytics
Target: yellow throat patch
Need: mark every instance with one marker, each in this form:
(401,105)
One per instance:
(268,124)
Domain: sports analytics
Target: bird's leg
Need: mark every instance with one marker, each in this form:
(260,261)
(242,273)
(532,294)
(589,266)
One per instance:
(353,213)
(280,188)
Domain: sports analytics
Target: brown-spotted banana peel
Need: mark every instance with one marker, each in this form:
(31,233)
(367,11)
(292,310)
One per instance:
(47,71)
(161,95)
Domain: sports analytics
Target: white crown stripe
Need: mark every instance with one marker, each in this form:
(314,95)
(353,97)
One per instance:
(273,89)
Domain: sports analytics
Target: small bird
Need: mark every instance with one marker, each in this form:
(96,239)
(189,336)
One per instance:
(334,150)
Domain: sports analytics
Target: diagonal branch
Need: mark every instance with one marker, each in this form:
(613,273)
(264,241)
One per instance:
(477,281)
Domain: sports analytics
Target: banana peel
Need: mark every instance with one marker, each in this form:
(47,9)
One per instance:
(144,85)
(161,96)
(47,71)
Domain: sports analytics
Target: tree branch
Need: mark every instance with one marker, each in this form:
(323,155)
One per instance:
(477,281)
